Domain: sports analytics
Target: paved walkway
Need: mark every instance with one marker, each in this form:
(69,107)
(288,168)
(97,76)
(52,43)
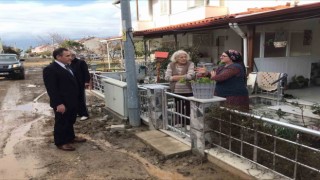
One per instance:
(311,94)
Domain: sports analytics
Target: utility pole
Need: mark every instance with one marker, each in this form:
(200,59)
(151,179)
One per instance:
(1,47)
(132,87)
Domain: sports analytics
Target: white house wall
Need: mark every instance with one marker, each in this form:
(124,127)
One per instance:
(290,65)
(233,41)
(236,6)
(299,65)
(180,13)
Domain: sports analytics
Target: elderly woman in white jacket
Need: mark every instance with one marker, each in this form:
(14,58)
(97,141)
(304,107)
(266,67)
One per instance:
(178,73)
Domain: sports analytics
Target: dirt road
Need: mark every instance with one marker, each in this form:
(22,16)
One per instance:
(27,150)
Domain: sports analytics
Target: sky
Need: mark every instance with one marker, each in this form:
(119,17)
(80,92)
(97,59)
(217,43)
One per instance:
(25,23)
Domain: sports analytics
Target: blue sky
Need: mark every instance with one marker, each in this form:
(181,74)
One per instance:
(25,23)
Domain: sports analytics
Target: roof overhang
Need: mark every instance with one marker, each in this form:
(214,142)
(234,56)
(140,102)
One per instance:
(308,11)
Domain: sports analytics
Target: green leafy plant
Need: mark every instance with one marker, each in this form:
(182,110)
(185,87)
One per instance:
(203,80)
(298,82)
(182,80)
(301,107)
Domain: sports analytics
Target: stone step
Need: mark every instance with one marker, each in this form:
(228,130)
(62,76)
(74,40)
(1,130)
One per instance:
(163,144)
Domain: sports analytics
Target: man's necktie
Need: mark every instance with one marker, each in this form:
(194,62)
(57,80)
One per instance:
(69,68)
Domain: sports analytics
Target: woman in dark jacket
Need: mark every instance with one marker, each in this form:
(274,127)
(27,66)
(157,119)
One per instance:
(230,80)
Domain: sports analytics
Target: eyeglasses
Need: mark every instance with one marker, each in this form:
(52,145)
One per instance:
(223,55)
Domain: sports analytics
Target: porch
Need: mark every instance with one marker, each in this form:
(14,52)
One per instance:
(309,94)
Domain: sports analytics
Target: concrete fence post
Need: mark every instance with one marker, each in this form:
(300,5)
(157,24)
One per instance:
(198,124)
(155,105)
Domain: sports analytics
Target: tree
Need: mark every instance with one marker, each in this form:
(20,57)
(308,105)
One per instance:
(114,50)
(11,50)
(70,44)
(52,38)
(28,50)
(139,48)
(56,38)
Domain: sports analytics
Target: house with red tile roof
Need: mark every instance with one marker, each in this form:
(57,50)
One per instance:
(274,36)
(42,48)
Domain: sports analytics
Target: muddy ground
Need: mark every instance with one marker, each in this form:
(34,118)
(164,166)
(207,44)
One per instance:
(27,150)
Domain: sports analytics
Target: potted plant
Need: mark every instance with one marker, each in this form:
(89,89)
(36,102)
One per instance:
(298,82)
(203,88)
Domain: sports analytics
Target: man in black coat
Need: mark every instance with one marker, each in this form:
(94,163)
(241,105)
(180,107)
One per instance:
(63,90)
(82,74)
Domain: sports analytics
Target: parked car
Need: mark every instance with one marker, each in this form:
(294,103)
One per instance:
(11,66)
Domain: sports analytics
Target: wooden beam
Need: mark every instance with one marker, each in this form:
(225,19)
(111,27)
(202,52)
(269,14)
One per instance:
(251,47)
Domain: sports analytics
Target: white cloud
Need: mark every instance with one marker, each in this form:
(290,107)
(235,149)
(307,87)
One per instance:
(33,19)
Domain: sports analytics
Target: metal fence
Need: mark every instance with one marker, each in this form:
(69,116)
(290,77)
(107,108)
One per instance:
(144,103)
(284,148)
(275,94)
(178,117)
(97,83)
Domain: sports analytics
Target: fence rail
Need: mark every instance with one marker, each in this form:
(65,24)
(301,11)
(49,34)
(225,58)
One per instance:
(178,120)
(281,147)
(144,103)
(97,83)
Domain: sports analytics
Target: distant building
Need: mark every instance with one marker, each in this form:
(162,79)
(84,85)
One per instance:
(92,44)
(43,48)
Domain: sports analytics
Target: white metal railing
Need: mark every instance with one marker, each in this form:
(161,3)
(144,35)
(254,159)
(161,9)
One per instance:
(144,103)
(277,94)
(96,77)
(176,119)
(284,148)
(97,83)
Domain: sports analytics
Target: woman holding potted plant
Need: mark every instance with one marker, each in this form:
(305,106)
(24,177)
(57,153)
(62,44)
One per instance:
(230,80)
(179,71)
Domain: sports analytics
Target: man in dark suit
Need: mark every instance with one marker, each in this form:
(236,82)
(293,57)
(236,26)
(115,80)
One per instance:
(82,74)
(63,90)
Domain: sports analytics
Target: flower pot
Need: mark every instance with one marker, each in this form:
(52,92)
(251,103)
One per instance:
(203,91)
(280,44)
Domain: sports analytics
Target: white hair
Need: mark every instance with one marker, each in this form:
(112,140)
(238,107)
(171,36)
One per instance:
(178,53)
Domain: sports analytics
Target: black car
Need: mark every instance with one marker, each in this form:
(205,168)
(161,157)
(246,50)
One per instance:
(11,66)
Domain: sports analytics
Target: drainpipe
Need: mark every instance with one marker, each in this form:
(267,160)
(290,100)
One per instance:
(236,28)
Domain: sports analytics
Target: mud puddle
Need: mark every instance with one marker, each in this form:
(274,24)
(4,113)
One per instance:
(12,167)
(151,169)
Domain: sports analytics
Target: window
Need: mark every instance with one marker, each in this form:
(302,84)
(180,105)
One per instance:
(144,10)
(269,49)
(178,6)
(164,7)
(300,44)
(202,39)
(195,3)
